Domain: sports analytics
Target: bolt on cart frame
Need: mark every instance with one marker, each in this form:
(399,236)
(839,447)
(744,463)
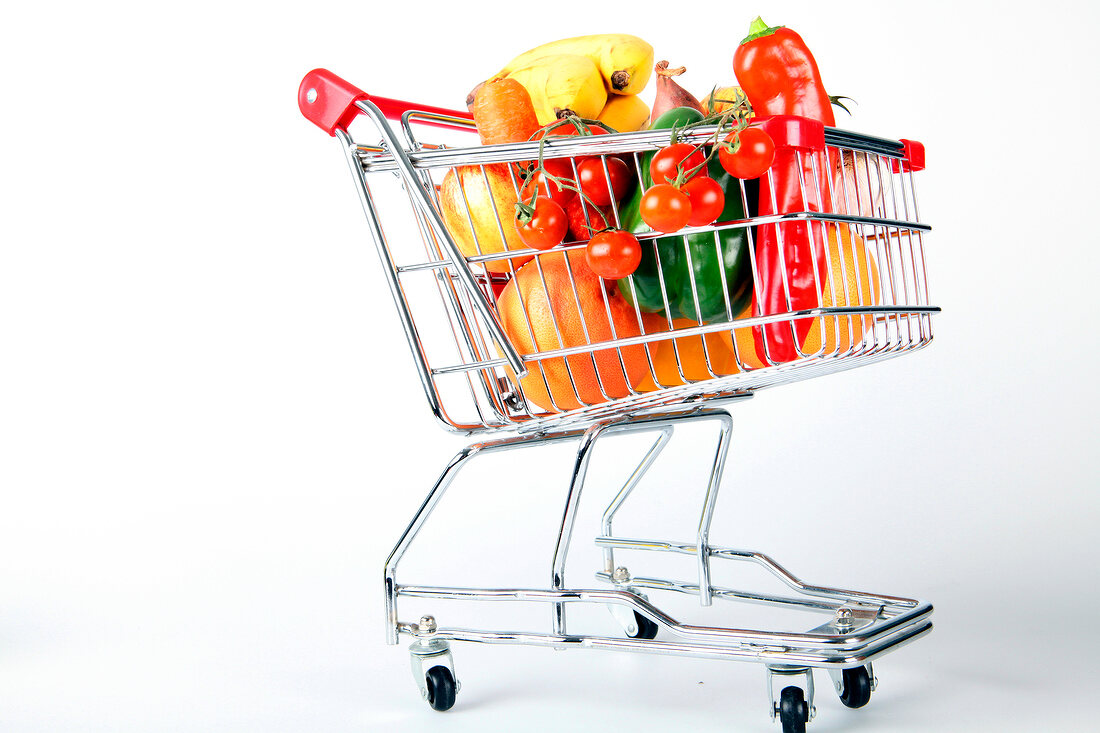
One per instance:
(592,368)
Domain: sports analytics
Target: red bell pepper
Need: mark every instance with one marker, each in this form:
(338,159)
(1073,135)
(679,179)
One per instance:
(779,76)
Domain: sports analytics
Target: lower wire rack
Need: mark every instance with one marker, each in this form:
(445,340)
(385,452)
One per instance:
(855,629)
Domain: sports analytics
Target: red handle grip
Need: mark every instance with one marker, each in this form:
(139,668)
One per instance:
(328,101)
(913,153)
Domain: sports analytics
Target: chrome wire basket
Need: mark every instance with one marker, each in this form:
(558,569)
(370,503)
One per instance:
(872,289)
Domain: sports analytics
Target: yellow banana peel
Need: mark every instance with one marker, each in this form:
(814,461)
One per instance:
(625,62)
(559,82)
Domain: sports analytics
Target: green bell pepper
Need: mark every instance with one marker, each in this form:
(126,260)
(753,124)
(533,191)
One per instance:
(705,257)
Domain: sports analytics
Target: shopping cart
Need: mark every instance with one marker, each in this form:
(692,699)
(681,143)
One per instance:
(513,340)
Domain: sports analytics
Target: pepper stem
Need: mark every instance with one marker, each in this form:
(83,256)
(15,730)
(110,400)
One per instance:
(836,100)
(758,29)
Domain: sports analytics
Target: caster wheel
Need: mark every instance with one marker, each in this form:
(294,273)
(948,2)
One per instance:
(646,629)
(856,691)
(793,710)
(441,688)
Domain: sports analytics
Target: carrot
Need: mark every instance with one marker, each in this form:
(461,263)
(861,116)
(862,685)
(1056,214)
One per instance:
(503,112)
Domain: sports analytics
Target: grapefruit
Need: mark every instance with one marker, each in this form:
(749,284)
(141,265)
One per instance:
(746,346)
(541,310)
(861,288)
(692,357)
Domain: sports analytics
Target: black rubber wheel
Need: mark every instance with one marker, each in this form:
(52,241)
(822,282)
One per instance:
(856,691)
(646,629)
(793,710)
(441,688)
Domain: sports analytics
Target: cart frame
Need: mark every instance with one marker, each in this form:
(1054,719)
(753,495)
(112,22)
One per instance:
(858,627)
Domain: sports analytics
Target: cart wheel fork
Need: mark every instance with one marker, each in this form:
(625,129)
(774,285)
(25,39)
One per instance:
(854,685)
(433,670)
(781,700)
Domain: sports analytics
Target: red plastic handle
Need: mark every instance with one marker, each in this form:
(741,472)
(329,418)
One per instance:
(914,156)
(791,131)
(328,101)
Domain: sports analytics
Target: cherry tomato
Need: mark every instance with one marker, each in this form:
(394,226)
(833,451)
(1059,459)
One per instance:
(594,182)
(547,187)
(753,157)
(546,228)
(613,254)
(584,218)
(561,167)
(663,167)
(707,200)
(558,167)
(567,130)
(666,208)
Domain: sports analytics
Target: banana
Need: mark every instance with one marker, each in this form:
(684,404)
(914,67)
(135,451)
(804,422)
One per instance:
(624,112)
(562,82)
(625,62)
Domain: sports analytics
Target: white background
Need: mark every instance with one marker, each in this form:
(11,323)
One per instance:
(211,432)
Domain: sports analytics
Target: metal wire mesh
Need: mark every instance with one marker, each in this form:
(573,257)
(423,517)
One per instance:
(594,347)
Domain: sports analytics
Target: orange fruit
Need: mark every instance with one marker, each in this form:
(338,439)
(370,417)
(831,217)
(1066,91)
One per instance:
(692,357)
(528,311)
(838,329)
(746,347)
(486,197)
(861,288)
